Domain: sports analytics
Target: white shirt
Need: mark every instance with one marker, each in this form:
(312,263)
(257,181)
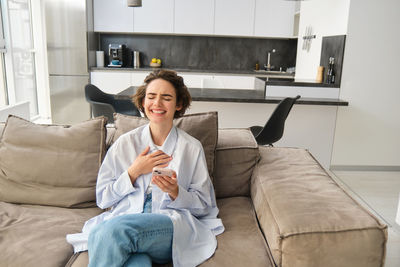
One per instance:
(193,213)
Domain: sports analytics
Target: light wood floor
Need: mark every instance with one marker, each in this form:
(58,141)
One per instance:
(379,192)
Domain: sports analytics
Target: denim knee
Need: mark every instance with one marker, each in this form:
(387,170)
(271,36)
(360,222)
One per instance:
(111,233)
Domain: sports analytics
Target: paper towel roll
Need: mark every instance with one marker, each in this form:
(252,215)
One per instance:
(320,74)
(100,59)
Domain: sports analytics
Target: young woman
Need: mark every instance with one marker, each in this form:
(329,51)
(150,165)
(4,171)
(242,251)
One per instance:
(153,218)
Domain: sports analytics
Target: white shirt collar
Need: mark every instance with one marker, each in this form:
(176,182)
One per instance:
(169,143)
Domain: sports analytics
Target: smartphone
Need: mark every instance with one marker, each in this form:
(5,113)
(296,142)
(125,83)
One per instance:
(157,171)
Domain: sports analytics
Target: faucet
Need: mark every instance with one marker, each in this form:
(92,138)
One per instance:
(268,66)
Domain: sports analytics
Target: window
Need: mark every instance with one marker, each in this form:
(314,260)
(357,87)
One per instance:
(3,84)
(19,56)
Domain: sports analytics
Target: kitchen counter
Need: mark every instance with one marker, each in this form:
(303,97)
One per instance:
(261,74)
(243,96)
(298,82)
(274,78)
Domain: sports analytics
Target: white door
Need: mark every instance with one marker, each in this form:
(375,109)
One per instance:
(112,16)
(154,16)
(274,18)
(194,16)
(234,17)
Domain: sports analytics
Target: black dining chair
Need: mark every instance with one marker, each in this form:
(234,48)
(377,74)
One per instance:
(273,129)
(106,104)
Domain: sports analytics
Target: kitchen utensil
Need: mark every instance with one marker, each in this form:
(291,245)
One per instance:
(136,59)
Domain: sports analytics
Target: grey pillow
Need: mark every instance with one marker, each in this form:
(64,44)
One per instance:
(202,126)
(49,164)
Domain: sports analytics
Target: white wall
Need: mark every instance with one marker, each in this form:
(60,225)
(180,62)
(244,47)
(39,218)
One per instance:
(368,130)
(327,18)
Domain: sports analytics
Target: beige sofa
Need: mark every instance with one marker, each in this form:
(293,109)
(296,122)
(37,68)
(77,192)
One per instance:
(278,205)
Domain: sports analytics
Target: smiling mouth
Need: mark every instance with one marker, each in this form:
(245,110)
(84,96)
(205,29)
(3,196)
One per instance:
(158,111)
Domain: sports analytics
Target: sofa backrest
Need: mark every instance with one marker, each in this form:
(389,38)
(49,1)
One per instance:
(236,156)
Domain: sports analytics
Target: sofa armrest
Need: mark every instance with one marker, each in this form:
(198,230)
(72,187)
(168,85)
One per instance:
(307,219)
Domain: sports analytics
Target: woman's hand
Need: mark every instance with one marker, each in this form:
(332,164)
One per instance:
(167,184)
(145,163)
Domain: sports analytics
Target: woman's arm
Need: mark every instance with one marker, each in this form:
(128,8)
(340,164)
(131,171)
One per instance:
(199,197)
(114,182)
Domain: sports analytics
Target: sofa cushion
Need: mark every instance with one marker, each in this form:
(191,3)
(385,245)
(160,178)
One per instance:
(110,135)
(33,235)
(242,243)
(2,124)
(202,126)
(51,165)
(307,218)
(236,156)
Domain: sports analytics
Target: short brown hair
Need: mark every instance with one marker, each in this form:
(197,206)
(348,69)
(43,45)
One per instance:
(183,97)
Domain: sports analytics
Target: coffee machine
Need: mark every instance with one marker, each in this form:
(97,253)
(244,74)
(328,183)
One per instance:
(118,55)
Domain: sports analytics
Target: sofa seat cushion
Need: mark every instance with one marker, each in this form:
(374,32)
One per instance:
(236,156)
(32,235)
(307,218)
(242,243)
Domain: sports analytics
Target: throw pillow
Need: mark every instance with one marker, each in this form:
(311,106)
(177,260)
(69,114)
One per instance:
(202,126)
(50,164)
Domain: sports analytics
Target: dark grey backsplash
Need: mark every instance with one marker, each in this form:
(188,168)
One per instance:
(206,53)
(333,46)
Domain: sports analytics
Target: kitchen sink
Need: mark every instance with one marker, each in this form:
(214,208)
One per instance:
(275,72)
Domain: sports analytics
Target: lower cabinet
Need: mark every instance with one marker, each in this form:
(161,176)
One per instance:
(220,81)
(113,82)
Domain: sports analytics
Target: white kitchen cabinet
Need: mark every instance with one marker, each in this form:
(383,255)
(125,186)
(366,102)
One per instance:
(210,80)
(138,77)
(155,16)
(239,82)
(234,17)
(112,16)
(194,16)
(111,82)
(194,80)
(274,18)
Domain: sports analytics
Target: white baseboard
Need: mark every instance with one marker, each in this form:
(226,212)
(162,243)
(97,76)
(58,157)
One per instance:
(364,168)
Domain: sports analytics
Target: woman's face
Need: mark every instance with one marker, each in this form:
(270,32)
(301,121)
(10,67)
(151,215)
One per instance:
(160,101)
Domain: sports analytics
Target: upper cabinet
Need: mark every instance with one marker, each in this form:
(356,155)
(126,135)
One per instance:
(260,18)
(194,16)
(234,17)
(112,16)
(274,18)
(154,16)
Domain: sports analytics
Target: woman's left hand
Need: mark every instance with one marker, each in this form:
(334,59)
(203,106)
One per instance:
(167,184)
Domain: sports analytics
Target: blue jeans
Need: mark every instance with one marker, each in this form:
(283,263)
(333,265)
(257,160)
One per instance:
(132,240)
